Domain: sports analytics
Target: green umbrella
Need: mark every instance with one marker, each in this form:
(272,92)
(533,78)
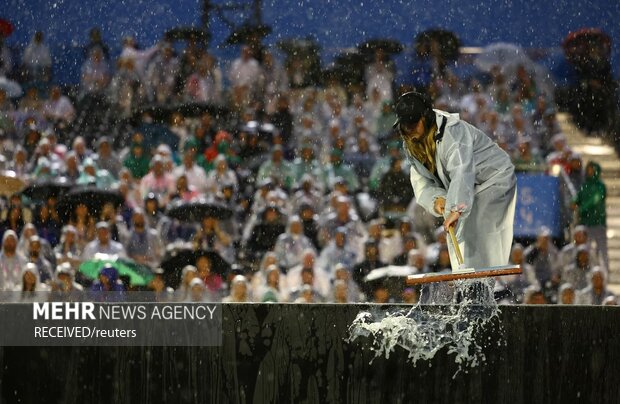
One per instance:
(139,275)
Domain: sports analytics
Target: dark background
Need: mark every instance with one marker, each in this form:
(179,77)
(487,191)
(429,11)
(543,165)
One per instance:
(335,24)
(298,353)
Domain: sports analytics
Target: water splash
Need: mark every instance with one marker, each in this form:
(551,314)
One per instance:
(425,329)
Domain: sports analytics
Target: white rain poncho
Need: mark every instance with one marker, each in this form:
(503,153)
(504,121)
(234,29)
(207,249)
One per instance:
(476,177)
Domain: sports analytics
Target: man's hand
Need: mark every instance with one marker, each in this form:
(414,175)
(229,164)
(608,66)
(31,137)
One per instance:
(451,220)
(440,205)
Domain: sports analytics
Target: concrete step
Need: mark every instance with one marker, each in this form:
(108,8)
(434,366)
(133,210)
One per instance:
(610,176)
(613,191)
(592,145)
(612,185)
(614,288)
(599,150)
(606,165)
(613,200)
(613,210)
(596,152)
(611,180)
(613,222)
(613,243)
(614,254)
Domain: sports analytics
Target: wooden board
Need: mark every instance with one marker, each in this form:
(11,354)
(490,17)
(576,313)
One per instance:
(449,276)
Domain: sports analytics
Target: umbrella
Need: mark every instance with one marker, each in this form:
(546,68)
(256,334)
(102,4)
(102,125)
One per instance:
(198,108)
(298,46)
(187,34)
(175,260)
(267,129)
(248,33)
(10,87)
(195,211)
(586,36)
(448,43)
(302,55)
(505,55)
(350,58)
(6,28)
(162,113)
(349,67)
(156,134)
(388,46)
(586,41)
(390,271)
(393,277)
(139,275)
(253,163)
(41,190)
(94,198)
(10,183)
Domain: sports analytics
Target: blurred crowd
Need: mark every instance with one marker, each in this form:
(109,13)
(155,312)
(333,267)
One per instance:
(305,188)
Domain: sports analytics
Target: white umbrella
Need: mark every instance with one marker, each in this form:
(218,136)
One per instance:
(508,57)
(10,183)
(10,87)
(390,271)
(505,55)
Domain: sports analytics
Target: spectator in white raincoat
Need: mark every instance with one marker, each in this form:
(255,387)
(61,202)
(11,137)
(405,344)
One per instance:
(460,174)
(291,244)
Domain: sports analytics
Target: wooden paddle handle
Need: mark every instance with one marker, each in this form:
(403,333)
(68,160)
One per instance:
(455,243)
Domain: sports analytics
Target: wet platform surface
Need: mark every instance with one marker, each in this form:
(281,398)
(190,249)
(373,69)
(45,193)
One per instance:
(299,353)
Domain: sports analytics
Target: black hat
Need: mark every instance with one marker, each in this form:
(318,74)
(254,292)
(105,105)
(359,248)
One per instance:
(411,107)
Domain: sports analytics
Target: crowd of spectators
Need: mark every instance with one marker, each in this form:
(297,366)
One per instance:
(316,181)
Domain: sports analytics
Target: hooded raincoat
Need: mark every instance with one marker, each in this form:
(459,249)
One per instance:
(591,199)
(476,177)
(591,205)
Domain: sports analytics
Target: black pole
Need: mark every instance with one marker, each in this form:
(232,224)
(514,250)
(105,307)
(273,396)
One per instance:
(257,12)
(206,10)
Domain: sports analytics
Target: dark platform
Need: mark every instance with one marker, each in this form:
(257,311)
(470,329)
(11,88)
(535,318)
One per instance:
(297,353)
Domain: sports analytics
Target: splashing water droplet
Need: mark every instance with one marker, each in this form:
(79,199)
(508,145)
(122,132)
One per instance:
(424,330)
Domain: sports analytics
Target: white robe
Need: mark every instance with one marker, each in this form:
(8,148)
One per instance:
(477,178)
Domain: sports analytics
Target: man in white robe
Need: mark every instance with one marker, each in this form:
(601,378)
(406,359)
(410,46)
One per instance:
(472,186)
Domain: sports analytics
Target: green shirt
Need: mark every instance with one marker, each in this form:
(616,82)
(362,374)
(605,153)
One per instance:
(590,200)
